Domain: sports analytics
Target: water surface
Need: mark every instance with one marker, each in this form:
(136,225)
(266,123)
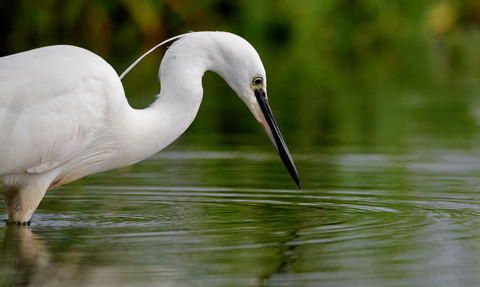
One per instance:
(221,218)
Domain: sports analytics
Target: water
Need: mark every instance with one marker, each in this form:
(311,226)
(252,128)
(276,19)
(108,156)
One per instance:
(367,217)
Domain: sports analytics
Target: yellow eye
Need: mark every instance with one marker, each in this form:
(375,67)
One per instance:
(257,81)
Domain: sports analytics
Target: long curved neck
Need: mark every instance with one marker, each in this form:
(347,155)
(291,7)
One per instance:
(152,129)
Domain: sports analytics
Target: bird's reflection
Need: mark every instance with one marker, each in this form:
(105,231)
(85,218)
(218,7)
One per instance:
(25,254)
(26,259)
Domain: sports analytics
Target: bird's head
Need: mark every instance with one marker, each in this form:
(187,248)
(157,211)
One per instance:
(239,64)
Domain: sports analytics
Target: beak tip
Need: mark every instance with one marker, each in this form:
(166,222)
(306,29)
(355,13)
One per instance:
(297,181)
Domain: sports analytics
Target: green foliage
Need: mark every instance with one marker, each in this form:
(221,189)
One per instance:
(343,72)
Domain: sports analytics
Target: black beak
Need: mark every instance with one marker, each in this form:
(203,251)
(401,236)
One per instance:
(271,128)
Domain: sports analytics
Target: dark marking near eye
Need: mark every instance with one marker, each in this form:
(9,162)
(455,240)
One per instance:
(260,93)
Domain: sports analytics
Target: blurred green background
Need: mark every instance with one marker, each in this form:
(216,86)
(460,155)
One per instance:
(340,72)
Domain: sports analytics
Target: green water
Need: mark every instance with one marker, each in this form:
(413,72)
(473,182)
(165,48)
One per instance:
(220,218)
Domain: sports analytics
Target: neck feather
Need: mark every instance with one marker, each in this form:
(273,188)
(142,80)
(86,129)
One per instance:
(154,128)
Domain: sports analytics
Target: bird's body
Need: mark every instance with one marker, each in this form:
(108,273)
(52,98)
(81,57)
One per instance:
(64,114)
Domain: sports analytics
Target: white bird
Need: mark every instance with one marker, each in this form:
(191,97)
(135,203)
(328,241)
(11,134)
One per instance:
(64,114)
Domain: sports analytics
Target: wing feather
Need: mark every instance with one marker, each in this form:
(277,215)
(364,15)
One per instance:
(50,106)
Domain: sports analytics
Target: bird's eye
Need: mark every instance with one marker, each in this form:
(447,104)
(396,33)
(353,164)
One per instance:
(257,81)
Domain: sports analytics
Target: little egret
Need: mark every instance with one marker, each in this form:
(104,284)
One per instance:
(64,114)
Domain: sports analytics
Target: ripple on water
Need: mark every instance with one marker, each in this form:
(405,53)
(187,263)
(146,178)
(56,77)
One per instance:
(366,228)
(313,213)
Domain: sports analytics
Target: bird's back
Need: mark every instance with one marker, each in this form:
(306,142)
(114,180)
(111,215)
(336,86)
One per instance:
(51,100)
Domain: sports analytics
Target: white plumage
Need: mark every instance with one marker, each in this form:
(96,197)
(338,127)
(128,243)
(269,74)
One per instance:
(64,114)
